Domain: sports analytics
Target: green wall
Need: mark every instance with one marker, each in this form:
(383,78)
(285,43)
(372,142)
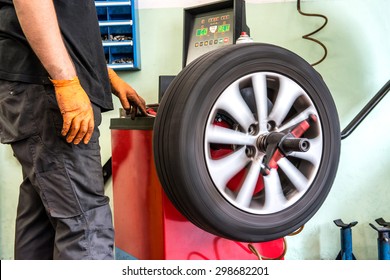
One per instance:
(358,42)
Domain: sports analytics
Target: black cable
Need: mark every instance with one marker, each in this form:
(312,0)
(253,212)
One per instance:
(308,36)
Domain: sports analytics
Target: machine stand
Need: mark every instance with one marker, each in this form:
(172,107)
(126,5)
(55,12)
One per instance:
(383,238)
(346,240)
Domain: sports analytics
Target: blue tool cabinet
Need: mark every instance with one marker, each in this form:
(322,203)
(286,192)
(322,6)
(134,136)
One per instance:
(118,21)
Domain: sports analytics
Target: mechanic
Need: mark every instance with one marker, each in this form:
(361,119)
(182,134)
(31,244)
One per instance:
(54,85)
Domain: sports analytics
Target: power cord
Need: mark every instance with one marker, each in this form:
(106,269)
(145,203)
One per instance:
(281,256)
(308,36)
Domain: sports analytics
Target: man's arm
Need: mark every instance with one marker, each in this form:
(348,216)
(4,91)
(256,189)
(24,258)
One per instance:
(39,23)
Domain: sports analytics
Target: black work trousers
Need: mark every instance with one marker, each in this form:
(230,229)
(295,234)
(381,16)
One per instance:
(62,211)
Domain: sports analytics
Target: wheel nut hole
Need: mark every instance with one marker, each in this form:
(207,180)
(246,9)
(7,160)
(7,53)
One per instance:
(271,125)
(252,129)
(250,151)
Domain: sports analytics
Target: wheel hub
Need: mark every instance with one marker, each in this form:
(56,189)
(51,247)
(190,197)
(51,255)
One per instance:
(276,145)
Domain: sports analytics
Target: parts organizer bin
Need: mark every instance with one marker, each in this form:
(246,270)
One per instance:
(118,21)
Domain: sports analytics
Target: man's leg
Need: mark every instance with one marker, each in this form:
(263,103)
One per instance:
(67,178)
(34,236)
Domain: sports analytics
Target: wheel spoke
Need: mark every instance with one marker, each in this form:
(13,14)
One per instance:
(259,82)
(220,135)
(295,176)
(288,93)
(245,194)
(224,169)
(297,119)
(274,197)
(232,102)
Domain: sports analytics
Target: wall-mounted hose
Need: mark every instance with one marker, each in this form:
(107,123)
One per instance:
(308,36)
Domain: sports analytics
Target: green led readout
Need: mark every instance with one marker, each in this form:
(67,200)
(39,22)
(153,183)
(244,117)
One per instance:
(201,32)
(223,28)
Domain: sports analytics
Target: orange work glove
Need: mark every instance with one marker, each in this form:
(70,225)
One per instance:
(76,109)
(129,98)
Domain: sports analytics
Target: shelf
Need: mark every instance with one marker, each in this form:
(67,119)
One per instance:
(115,22)
(119,32)
(112,3)
(117,43)
(121,66)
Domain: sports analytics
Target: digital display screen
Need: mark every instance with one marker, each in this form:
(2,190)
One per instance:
(210,31)
(220,29)
(224,28)
(201,32)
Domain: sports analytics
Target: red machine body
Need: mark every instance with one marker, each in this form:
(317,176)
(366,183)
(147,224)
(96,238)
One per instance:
(147,225)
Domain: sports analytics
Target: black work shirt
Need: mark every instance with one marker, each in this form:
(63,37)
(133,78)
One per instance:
(81,34)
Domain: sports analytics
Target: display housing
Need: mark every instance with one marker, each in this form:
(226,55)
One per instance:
(212,26)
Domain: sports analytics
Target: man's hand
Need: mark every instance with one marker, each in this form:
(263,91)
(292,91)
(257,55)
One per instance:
(76,110)
(129,98)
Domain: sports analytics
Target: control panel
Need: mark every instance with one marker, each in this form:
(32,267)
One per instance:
(210,31)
